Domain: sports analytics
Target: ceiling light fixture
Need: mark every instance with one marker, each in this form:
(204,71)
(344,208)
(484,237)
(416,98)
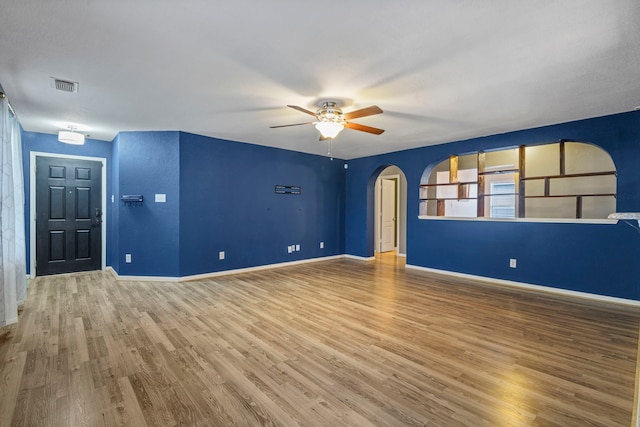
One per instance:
(329,129)
(71,137)
(330,120)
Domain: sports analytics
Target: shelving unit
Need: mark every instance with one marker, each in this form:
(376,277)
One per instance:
(548,179)
(486,174)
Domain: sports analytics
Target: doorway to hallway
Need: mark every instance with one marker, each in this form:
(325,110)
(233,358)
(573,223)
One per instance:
(387,223)
(389,211)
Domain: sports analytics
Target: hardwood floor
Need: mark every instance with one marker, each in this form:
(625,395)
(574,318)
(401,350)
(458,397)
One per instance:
(340,342)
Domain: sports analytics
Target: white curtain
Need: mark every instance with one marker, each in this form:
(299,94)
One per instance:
(12,251)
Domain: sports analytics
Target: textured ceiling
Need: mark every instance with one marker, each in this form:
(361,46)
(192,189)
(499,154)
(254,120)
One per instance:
(441,70)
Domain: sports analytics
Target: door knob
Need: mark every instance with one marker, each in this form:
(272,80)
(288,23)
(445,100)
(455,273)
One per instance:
(97,220)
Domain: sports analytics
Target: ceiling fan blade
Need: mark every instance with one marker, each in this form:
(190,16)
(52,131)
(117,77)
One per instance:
(363,128)
(369,111)
(295,107)
(295,124)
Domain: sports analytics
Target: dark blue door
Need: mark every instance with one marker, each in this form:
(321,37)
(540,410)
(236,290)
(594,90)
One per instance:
(68,215)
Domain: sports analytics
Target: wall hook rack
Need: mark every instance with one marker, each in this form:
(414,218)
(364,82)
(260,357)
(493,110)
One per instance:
(132,200)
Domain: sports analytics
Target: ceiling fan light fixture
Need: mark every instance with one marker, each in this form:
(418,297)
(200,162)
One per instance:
(330,120)
(329,129)
(70,137)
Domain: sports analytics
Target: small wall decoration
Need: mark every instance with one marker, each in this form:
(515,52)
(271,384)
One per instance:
(288,189)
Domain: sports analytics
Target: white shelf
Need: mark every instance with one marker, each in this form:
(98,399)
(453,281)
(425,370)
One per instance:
(625,215)
(608,221)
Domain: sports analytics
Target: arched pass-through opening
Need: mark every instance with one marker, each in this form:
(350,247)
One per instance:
(387,211)
(567,180)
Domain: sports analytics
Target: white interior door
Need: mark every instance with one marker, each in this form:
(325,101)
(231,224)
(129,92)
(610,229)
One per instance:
(387,215)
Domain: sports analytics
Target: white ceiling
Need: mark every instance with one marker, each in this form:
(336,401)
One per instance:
(441,70)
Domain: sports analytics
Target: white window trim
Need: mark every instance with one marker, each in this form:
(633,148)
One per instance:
(495,195)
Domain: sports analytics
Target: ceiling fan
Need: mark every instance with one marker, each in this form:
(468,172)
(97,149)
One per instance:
(330,119)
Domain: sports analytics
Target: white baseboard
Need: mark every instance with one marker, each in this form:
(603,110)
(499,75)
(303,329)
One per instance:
(359,258)
(143,278)
(256,268)
(10,321)
(539,288)
(490,280)
(219,273)
(402,255)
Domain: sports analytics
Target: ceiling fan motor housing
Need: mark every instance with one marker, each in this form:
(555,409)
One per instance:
(330,112)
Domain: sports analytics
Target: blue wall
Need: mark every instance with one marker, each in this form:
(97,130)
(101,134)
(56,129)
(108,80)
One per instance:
(601,259)
(228,204)
(147,163)
(46,143)
(220,198)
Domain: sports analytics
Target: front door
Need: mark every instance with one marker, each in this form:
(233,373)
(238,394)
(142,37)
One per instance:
(68,215)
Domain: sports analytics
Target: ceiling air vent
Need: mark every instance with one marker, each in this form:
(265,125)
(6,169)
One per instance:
(64,85)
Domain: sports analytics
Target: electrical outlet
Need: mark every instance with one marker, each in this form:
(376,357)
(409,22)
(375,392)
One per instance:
(221,255)
(321,245)
(297,248)
(127,258)
(512,263)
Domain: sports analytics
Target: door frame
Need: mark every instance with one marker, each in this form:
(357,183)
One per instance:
(378,211)
(32,205)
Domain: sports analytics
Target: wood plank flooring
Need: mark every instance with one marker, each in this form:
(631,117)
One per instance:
(330,343)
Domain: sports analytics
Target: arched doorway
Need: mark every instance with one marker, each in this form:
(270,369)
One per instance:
(388,186)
